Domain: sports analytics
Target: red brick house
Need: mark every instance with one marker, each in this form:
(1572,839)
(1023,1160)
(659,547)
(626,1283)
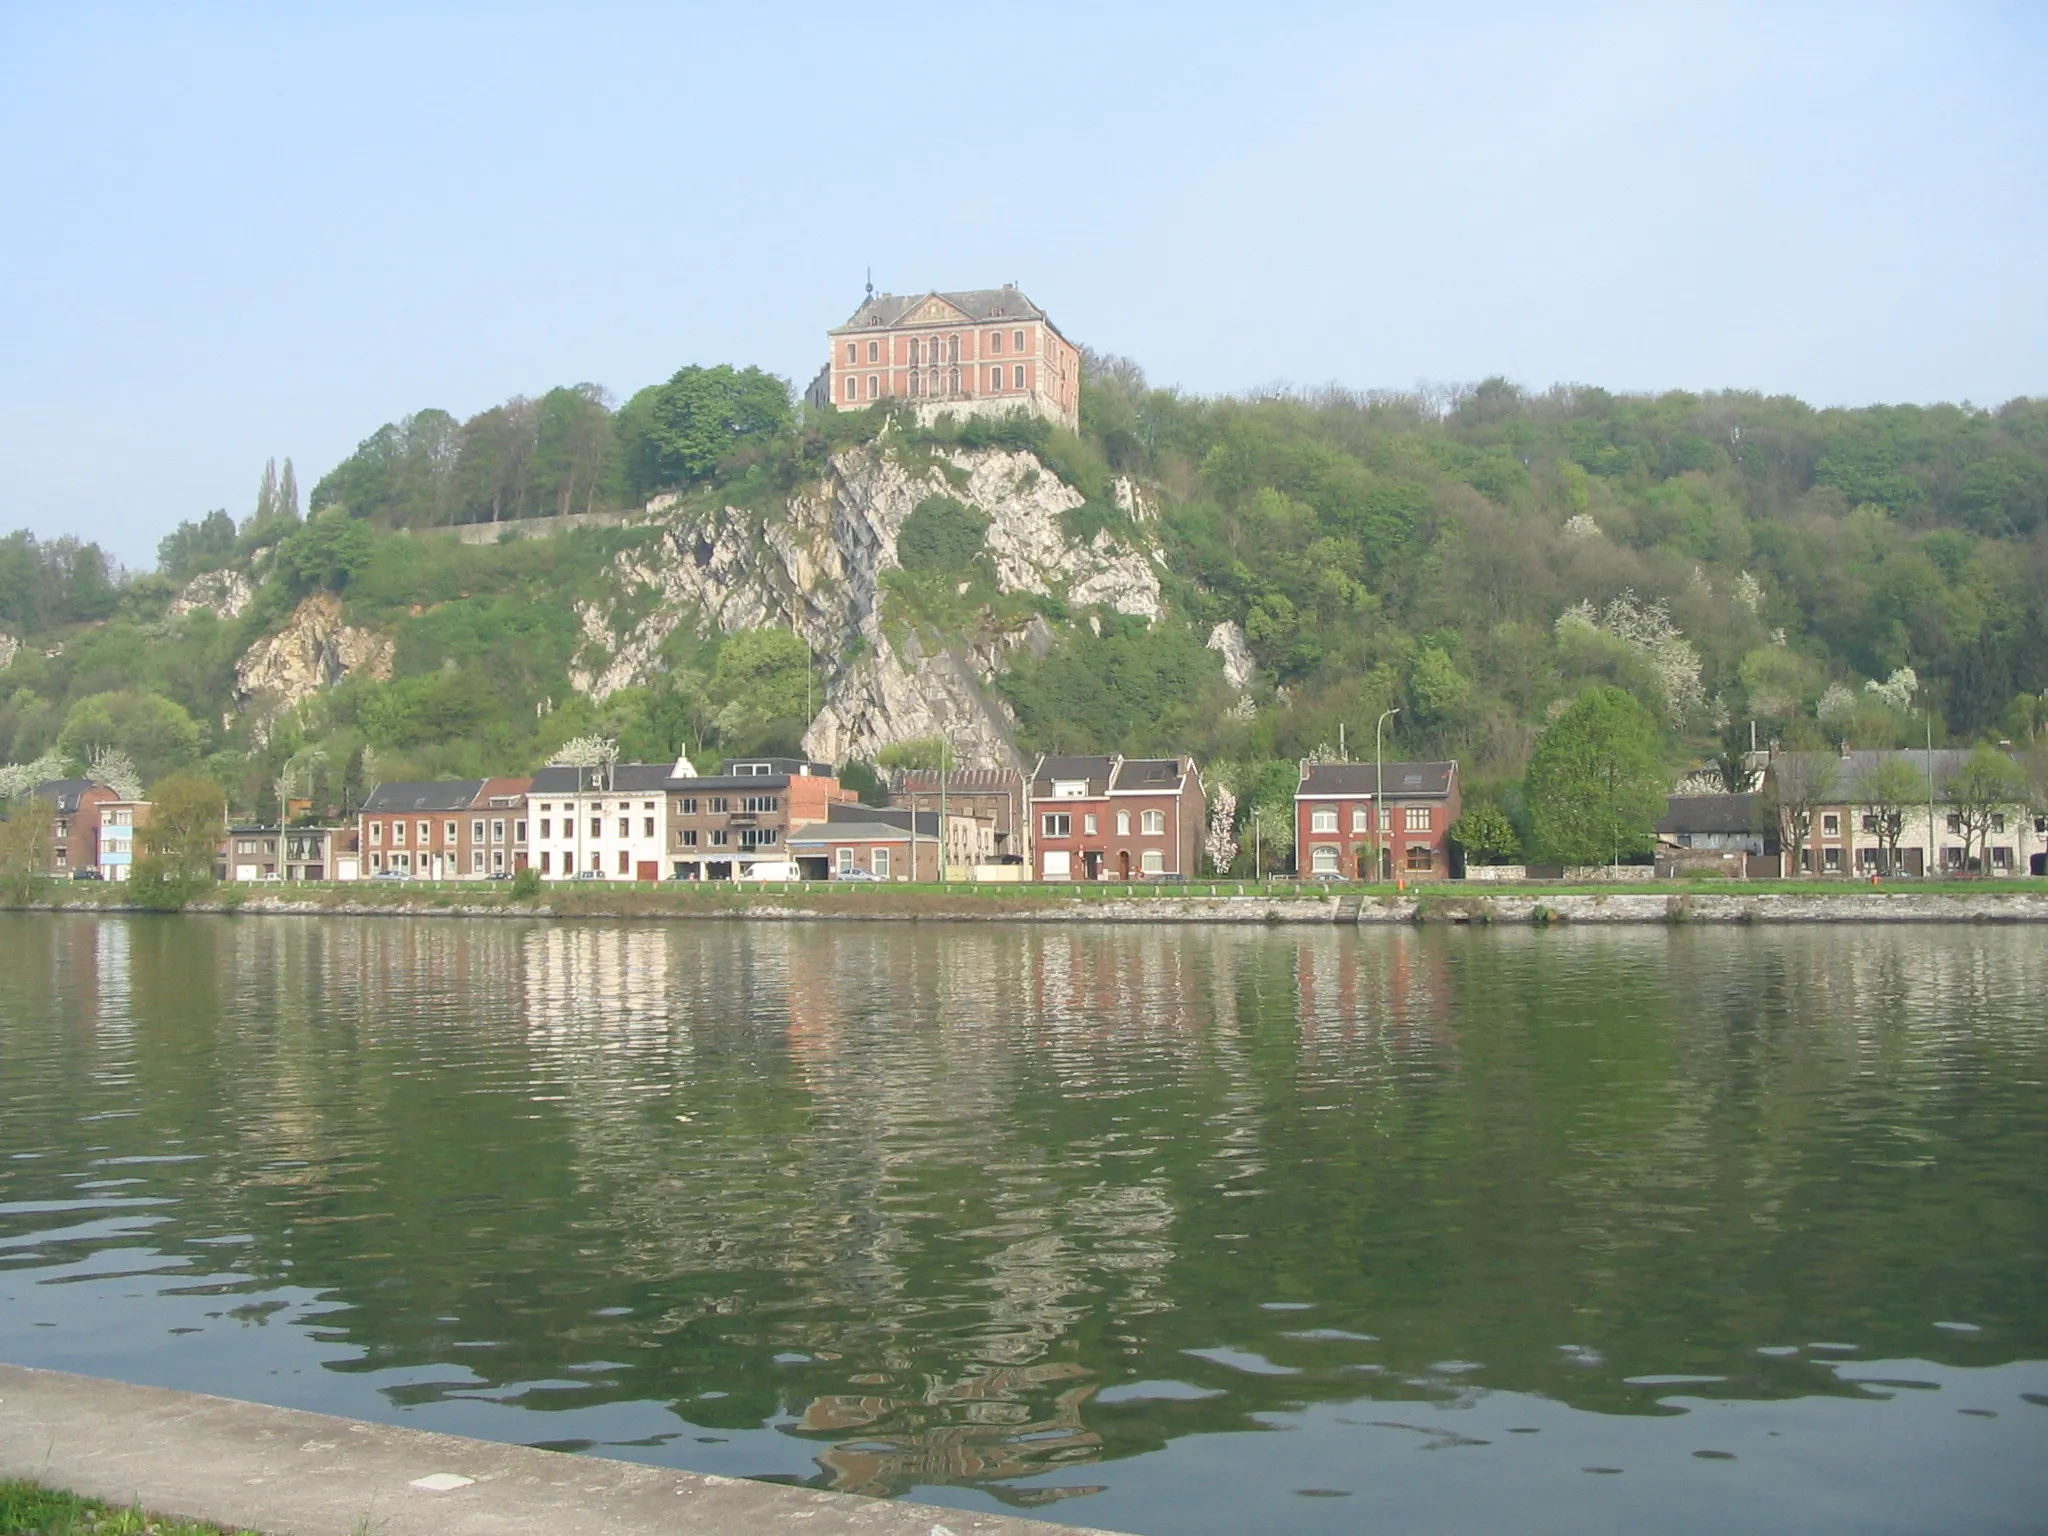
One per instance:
(460,829)
(982,351)
(1334,834)
(75,831)
(992,797)
(1116,818)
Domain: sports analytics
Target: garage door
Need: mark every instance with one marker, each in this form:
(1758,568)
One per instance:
(1059,866)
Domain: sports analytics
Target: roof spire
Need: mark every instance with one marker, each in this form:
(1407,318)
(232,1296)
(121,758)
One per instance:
(871,285)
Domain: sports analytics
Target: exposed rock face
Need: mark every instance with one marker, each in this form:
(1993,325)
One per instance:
(9,649)
(314,650)
(1238,668)
(816,566)
(227,593)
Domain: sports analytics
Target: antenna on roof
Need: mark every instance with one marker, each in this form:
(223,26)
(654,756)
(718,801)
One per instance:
(871,285)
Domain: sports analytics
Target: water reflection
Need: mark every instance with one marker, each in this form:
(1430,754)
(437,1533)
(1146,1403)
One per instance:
(1021,1211)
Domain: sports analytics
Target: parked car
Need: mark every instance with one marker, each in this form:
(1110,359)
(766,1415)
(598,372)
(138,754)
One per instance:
(87,872)
(589,874)
(501,874)
(856,875)
(391,874)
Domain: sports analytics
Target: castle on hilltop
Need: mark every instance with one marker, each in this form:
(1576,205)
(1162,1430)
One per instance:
(984,352)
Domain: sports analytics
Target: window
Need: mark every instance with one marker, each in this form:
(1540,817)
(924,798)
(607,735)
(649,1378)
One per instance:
(852,384)
(687,806)
(845,860)
(874,386)
(995,342)
(625,868)
(1418,818)
(1870,824)
(1324,860)
(880,858)
(1866,859)
(1058,825)
(760,837)
(1951,858)
(497,831)
(647,826)
(1123,823)
(689,838)
(1154,824)
(995,378)
(596,863)
(1069,789)
(719,805)
(452,830)
(625,826)
(547,826)
(1418,857)
(476,860)
(398,834)
(426,833)
(401,861)
(1361,818)
(1831,825)
(1017,376)
(646,805)
(718,839)
(1018,338)
(758,803)
(1153,861)
(546,862)
(1955,822)
(518,831)
(596,826)
(1323,819)
(1831,860)
(2001,858)
(376,861)
(874,351)
(1998,821)
(1088,824)
(853,351)
(953,382)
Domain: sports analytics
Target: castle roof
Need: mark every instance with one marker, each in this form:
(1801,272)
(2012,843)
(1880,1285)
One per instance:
(970,306)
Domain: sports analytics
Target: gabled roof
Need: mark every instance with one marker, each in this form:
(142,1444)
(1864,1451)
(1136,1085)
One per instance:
(1405,781)
(624,779)
(1151,775)
(65,794)
(1848,770)
(966,781)
(1709,813)
(1096,770)
(448,795)
(975,305)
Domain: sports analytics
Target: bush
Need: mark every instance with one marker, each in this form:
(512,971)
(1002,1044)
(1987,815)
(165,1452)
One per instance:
(526,884)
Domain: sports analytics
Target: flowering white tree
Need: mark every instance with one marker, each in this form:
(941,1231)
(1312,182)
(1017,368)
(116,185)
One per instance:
(18,779)
(1836,705)
(116,769)
(1646,629)
(586,752)
(1221,843)
(1896,692)
(1749,592)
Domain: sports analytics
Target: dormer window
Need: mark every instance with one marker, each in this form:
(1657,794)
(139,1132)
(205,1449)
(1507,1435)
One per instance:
(1069,789)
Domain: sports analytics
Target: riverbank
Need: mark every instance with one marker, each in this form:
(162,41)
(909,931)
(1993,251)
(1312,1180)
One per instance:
(245,1466)
(1665,902)
(31,1509)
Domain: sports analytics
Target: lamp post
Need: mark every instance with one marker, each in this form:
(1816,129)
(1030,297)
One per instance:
(1379,794)
(1258,848)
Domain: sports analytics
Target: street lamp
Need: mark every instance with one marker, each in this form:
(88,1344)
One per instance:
(1258,848)
(1379,794)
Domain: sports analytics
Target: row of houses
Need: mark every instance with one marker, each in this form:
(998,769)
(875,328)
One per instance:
(1072,818)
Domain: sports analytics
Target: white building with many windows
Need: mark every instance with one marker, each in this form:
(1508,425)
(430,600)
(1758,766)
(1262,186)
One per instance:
(601,822)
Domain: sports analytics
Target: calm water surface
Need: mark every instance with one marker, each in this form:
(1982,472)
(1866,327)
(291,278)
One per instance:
(1166,1230)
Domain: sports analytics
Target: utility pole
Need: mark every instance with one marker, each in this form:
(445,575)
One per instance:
(945,744)
(1379,795)
(1931,842)
(1258,848)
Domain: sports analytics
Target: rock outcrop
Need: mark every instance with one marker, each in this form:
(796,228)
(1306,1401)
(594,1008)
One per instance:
(226,593)
(314,650)
(816,565)
(9,649)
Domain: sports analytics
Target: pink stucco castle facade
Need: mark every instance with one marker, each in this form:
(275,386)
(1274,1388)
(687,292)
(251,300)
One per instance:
(983,352)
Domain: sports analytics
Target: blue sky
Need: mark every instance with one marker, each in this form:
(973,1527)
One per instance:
(230,232)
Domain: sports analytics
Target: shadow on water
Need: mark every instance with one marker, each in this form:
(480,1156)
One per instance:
(1202,1230)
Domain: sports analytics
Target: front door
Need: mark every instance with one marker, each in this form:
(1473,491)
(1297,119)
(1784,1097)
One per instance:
(1123,865)
(649,869)
(1094,864)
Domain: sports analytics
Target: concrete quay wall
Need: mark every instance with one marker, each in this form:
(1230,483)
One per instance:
(288,1473)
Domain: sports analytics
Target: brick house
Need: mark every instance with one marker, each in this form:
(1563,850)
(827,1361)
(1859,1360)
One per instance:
(1843,839)
(979,352)
(735,824)
(250,851)
(1334,834)
(888,844)
(993,798)
(75,831)
(457,829)
(1116,818)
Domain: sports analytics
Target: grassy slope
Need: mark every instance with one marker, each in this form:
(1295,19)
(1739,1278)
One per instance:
(28,1509)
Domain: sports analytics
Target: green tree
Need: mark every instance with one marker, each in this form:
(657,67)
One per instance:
(1487,836)
(193,548)
(1982,793)
(181,840)
(760,685)
(326,552)
(687,426)
(1887,795)
(1436,686)
(941,535)
(25,843)
(1596,783)
(155,732)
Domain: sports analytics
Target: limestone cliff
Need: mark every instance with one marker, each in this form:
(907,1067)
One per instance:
(816,565)
(226,593)
(314,650)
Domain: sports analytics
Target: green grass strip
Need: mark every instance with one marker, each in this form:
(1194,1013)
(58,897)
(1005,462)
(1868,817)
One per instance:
(29,1509)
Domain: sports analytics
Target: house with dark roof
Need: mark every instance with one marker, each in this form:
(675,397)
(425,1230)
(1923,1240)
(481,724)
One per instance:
(1848,826)
(454,829)
(858,841)
(1337,834)
(75,829)
(972,352)
(1116,818)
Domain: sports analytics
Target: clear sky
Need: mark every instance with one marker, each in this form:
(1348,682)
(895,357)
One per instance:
(229,232)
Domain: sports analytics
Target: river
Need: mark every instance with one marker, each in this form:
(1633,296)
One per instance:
(1169,1230)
